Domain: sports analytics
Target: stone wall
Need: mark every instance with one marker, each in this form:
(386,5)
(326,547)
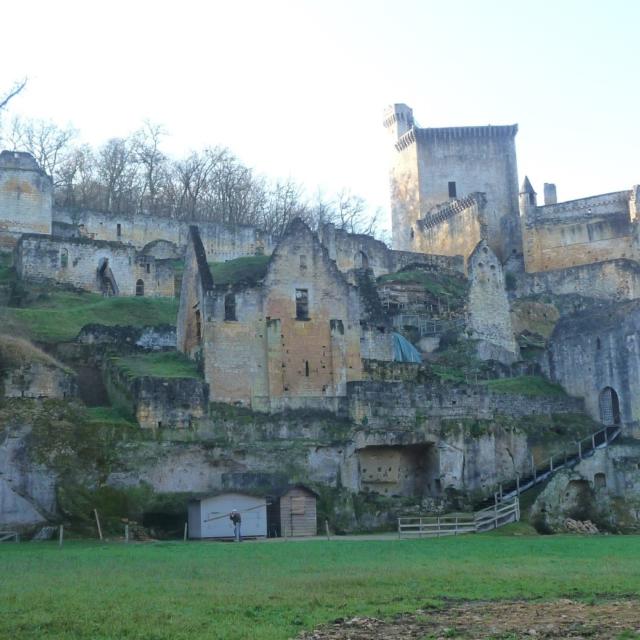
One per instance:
(393,405)
(429,162)
(25,198)
(156,338)
(596,350)
(453,229)
(39,380)
(77,262)
(612,280)
(359,251)
(268,357)
(489,317)
(221,242)
(578,232)
(156,403)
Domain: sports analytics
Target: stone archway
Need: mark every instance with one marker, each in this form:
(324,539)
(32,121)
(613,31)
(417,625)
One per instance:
(609,406)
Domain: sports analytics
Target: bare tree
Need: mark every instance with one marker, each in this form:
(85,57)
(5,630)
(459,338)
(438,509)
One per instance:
(46,141)
(12,93)
(146,147)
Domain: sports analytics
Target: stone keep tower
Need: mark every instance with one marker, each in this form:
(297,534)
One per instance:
(433,166)
(26,193)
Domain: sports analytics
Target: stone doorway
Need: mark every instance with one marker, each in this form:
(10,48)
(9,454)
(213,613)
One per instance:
(609,406)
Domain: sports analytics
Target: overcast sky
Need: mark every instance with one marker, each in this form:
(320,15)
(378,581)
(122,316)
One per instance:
(297,89)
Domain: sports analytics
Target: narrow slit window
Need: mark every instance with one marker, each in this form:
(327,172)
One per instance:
(148,268)
(119,230)
(302,304)
(230,307)
(452,189)
(306,368)
(198,325)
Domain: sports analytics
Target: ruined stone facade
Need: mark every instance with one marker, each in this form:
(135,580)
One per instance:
(111,268)
(596,356)
(578,232)
(291,340)
(221,242)
(25,198)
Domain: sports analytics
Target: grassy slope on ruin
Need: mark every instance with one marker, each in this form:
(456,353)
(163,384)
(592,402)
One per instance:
(168,364)
(57,315)
(273,591)
(437,284)
(247,270)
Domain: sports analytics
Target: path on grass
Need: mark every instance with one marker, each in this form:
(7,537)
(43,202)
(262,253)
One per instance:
(556,620)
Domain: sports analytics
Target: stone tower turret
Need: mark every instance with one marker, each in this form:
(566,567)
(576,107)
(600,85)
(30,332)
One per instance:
(398,119)
(528,197)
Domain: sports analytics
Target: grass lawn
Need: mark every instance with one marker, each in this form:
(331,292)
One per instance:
(261,591)
(59,315)
(168,364)
(249,270)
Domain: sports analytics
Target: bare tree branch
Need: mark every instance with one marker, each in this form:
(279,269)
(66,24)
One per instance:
(13,92)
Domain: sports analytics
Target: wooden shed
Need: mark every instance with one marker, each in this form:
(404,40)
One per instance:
(209,517)
(298,512)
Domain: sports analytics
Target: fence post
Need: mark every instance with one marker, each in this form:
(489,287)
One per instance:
(579,450)
(95,512)
(517,484)
(551,463)
(455,531)
(438,527)
(186,531)
(495,515)
(126,533)
(60,534)
(593,441)
(399,529)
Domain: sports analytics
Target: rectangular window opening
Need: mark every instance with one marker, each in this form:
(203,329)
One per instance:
(119,230)
(302,304)
(452,189)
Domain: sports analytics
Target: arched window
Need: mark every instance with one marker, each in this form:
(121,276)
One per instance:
(230,307)
(64,258)
(140,288)
(361,260)
(198,325)
(609,406)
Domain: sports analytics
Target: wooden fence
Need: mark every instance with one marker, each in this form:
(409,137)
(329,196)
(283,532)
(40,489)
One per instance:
(6,536)
(457,524)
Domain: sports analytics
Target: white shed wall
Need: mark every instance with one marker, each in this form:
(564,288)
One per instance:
(214,515)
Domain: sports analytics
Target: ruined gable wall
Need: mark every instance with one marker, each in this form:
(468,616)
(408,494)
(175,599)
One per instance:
(598,349)
(40,258)
(195,295)
(477,159)
(330,340)
(221,242)
(489,314)
(25,198)
(578,232)
(262,358)
(613,280)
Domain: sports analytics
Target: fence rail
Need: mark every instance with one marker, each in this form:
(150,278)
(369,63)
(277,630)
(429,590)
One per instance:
(6,536)
(453,525)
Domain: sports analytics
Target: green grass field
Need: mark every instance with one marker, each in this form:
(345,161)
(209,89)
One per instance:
(275,590)
(170,364)
(60,314)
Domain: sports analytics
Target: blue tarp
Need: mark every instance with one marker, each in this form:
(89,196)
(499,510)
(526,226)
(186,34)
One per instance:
(403,350)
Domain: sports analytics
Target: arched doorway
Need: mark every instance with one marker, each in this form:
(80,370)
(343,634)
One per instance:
(361,260)
(609,406)
(140,288)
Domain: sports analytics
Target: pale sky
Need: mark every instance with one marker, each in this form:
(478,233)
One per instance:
(297,89)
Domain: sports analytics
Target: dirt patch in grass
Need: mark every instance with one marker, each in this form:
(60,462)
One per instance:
(610,620)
